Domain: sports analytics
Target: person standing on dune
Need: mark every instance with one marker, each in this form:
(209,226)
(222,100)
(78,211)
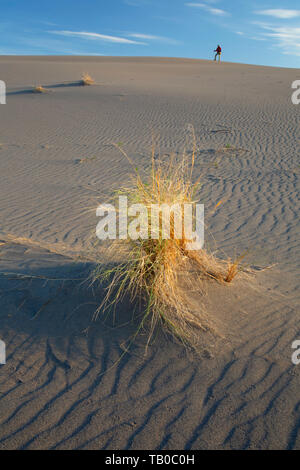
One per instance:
(218,53)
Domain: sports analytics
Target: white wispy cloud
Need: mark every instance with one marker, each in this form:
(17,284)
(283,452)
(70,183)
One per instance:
(286,37)
(204,6)
(152,37)
(280,13)
(258,38)
(96,36)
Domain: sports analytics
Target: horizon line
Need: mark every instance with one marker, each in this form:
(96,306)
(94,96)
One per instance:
(102,56)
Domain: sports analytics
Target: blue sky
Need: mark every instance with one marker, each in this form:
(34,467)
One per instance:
(250,31)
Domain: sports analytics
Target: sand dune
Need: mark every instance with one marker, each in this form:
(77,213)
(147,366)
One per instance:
(61,387)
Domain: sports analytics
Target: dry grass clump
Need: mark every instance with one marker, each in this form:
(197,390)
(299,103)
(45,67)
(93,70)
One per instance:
(40,89)
(160,272)
(87,80)
(86,159)
(231,150)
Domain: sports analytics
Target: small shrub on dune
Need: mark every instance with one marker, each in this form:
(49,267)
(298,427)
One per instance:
(40,89)
(163,272)
(87,80)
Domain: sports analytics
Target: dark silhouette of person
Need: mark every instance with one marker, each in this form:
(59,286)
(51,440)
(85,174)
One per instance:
(218,53)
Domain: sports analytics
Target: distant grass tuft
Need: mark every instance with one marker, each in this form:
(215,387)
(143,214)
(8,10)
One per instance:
(40,89)
(87,80)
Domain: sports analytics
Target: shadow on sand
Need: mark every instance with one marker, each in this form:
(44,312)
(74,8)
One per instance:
(48,88)
(59,301)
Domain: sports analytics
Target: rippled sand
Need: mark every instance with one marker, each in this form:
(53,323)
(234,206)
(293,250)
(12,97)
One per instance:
(60,388)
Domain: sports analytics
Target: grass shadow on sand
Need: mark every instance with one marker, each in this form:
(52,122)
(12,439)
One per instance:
(48,88)
(29,91)
(47,296)
(66,84)
(57,301)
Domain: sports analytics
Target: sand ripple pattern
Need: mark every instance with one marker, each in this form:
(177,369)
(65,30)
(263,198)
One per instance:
(61,387)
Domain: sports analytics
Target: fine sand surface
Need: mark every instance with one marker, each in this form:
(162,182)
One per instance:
(63,386)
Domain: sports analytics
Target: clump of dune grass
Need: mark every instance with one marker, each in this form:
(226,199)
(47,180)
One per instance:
(86,159)
(40,89)
(231,150)
(87,80)
(162,273)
